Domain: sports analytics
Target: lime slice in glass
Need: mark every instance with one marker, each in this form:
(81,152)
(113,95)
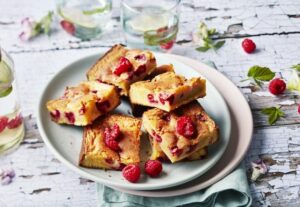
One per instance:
(294,81)
(6,79)
(145,22)
(76,16)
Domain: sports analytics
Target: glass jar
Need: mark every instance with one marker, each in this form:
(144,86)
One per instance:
(150,24)
(85,19)
(11,121)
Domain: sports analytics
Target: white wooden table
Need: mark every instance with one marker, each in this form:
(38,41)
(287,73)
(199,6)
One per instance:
(273,24)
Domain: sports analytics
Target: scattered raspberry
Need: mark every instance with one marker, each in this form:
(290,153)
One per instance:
(248,45)
(185,127)
(3,123)
(131,173)
(68,27)
(277,86)
(168,45)
(299,108)
(70,116)
(55,114)
(14,123)
(124,66)
(151,98)
(112,136)
(153,168)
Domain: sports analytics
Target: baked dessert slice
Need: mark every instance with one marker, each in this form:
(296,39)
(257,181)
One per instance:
(122,67)
(158,154)
(111,142)
(82,104)
(182,132)
(167,91)
(138,110)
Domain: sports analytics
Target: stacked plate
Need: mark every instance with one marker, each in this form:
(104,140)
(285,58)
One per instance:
(223,102)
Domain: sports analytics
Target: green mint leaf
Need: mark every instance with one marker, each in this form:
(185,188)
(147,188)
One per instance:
(46,22)
(260,73)
(296,67)
(219,44)
(202,49)
(273,113)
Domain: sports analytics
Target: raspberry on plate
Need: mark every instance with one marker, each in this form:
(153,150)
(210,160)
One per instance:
(111,142)
(153,168)
(277,86)
(131,173)
(248,45)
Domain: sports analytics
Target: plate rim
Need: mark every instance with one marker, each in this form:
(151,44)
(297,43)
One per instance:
(225,171)
(128,186)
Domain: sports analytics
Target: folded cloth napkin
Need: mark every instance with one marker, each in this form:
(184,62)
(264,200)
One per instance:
(231,191)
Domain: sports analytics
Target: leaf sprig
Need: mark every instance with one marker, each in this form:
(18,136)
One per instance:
(274,113)
(205,34)
(259,74)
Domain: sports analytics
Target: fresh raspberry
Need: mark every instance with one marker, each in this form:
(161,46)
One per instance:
(277,86)
(153,168)
(299,108)
(3,123)
(14,123)
(68,27)
(70,116)
(131,173)
(185,127)
(112,144)
(112,136)
(113,132)
(248,45)
(168,45)
(124,66)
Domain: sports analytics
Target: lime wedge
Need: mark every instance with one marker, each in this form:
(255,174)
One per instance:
(146,22)
(76,16)
(6,79)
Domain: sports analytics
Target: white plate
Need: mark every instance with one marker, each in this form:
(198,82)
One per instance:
(65,141)
(240,138)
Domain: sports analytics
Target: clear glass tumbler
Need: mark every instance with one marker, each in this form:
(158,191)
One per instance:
(150,24)
(11,121)
(85,19)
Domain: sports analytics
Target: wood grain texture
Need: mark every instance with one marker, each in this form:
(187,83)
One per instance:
(273,24)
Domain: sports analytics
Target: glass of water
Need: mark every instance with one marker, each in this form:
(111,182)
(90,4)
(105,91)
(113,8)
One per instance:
(85,19)
(150,24)
(11,121)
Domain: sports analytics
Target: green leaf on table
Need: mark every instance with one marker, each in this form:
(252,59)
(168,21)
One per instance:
(46,22)
(219,44)
(274,113)
(202,49)
(259,74)
(296,67)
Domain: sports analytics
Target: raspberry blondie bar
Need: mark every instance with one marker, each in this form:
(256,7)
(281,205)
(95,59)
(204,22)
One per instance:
(111,142)
(122,67)
(167,91)
(82,104)
(181,132)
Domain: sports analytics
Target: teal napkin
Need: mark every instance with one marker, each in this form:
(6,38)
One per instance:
(231,191)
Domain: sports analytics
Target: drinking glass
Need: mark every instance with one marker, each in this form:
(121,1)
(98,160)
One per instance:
(11,122)
(150,24)
(85,19)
